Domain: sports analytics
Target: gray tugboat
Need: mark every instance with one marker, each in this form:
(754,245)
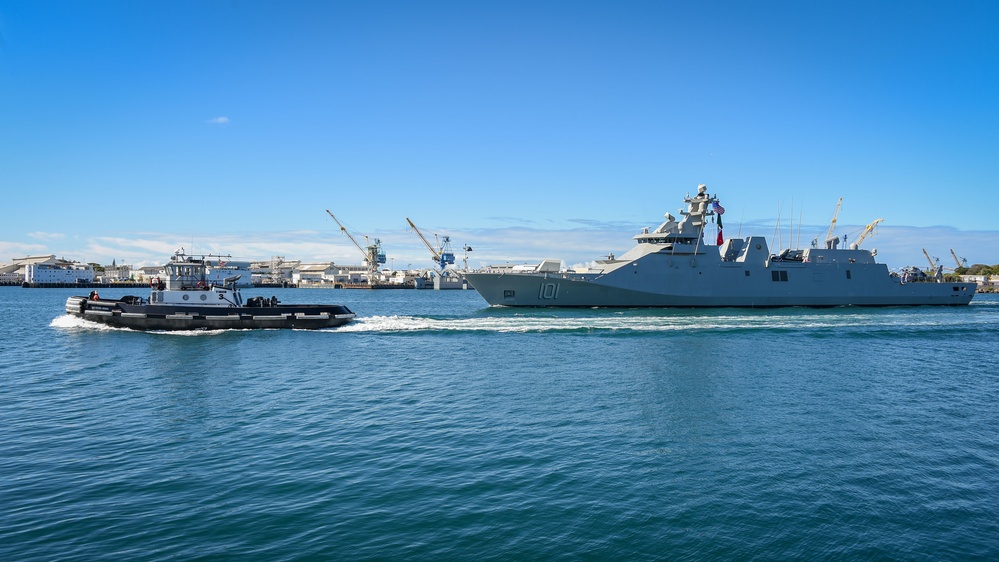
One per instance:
(186,300)
(671,266)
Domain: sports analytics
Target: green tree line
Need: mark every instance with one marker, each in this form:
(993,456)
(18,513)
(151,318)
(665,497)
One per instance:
(978,269)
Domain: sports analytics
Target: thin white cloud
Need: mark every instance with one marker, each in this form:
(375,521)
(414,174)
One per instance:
(46,236)
(151,248)
(13,250)
(221,120)
(897,245)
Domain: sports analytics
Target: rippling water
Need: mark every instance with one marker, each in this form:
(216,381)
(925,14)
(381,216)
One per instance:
(436,428)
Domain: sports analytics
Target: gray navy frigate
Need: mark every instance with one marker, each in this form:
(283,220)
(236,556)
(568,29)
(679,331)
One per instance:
(671,266)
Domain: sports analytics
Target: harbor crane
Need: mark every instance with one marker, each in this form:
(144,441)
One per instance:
(442,253)
(373,254)
(830,241)
(933,264)
(935,269)
(869,229)
(961,262)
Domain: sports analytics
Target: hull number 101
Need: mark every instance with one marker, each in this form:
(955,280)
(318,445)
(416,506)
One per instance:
(548,291)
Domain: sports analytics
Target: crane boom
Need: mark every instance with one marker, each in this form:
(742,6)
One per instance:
(832,224)
(933,265)
(442,253)
(957,259)
(345,231)
(373,254)
(869,229)
(935,270)
(430,247)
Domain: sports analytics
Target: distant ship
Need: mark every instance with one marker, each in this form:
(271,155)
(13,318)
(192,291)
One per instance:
(672,266)
(188,300)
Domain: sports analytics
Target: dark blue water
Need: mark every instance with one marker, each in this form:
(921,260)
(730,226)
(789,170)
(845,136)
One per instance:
(436,428)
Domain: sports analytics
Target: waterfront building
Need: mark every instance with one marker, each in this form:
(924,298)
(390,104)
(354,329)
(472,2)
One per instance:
(312,274)
(114,273)
(274,271)
(45,269)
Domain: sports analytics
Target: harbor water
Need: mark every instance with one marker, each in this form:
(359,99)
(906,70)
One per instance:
(436,428)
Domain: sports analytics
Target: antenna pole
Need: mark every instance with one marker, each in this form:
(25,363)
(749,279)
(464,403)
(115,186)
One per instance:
(797,242)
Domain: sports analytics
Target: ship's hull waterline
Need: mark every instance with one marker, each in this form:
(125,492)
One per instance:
(671,266)
(533,290)
(186,299)
(167,318)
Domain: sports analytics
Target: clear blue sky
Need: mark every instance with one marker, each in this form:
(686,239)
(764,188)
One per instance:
(523,129)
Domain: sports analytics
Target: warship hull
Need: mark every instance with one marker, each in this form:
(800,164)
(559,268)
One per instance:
(671,266)
(714,287)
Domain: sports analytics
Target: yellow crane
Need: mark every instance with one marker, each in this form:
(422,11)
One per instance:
(960,262)
(933,264)
(443,254)
(935,270)
(869,229)
(832,225)
(373,254)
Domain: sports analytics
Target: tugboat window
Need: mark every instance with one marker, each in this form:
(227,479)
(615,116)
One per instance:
(187,297)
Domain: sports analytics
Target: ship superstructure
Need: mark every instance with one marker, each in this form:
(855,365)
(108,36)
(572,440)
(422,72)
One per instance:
(187,299)
(671,266)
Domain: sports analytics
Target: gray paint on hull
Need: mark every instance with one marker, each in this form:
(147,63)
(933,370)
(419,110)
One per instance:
(238,322)
(123,314)
(660,282)
(671,266)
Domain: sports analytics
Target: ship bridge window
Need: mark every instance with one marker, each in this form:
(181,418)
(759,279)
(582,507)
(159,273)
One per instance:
(779,276)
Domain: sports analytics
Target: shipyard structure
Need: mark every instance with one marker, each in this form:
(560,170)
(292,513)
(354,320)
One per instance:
(50,271)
